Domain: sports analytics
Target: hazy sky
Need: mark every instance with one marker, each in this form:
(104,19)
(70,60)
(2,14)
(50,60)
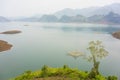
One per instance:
(12,8)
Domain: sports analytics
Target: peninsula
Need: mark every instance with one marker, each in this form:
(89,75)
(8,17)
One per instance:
(4,46)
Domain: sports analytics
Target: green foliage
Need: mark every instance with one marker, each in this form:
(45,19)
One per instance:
(65,66)
(27,75)
(112,78)
(97,51)
(45,71)
(63,72)
(83,74)
(100,77)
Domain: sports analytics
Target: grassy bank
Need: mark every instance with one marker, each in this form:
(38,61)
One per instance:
(62,73)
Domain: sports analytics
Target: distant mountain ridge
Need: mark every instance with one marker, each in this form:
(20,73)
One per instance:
(106,14)
(3,19)
(90,11)
(74,12)
(110,18)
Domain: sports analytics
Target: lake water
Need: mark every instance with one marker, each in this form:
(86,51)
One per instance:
(48,44)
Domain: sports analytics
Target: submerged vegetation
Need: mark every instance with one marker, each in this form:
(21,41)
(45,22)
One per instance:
(96,53)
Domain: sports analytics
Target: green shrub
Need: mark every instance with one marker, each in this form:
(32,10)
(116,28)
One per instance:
(100,77)
(45,71)
(112,78)
(65,67)
(64,72)
(27,75)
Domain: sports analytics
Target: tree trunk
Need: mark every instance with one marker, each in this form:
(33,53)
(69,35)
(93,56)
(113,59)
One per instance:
(95,69)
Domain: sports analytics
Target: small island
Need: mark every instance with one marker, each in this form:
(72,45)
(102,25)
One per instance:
(11,32)
(4,46)
(116,34)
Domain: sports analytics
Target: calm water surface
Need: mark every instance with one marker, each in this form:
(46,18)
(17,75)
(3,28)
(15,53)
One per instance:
(49,43)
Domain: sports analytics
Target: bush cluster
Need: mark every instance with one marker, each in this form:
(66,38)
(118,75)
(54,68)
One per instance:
(63,72)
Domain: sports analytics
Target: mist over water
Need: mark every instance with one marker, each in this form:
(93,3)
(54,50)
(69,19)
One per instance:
(49,43)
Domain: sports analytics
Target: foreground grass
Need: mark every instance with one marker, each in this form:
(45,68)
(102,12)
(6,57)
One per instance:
(63,73)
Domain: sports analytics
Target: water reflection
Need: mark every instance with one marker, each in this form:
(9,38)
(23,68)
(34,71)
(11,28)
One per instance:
(108,30)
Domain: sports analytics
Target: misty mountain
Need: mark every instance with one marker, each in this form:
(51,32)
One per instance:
(87,12)
(109,8)
(44,18)
(3,19)
(77,18)
(105,14)
(48,18)
(110,18)
(74,12)
(90,11)
(30,19)
(95,18)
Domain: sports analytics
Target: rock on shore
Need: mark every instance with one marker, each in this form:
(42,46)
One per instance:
(116,34)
